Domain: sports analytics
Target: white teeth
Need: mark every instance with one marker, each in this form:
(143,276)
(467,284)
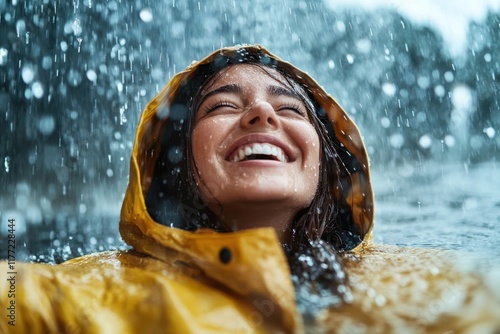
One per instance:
(257,148)
(241,154)
(274,151)
(266,149)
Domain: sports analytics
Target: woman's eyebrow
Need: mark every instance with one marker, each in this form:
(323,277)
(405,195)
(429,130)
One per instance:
(278,90)
(233,88)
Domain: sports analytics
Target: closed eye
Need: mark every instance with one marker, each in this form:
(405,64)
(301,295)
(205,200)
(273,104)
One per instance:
(218,104)
(295,107)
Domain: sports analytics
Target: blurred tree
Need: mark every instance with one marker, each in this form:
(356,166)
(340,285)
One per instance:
(482,74)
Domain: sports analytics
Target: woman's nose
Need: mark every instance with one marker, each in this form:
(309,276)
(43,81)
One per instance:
(261,113)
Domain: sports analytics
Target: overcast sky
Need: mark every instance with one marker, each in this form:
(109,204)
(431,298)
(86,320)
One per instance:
(450,17)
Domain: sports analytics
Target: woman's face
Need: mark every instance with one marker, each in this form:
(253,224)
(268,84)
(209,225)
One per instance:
(253,142)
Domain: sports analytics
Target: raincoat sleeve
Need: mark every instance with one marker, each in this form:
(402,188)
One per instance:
(120,292)
(83,298)
(32,298)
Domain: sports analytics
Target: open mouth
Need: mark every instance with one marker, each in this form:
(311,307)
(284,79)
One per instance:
(258,151)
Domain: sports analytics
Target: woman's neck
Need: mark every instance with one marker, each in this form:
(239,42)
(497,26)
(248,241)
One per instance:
(247,216)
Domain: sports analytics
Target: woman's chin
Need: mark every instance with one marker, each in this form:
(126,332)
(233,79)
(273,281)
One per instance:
(271,193)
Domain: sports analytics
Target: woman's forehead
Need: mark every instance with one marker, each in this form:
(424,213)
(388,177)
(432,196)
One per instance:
(255,73)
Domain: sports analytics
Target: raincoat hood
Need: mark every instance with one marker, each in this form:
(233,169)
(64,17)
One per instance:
(245,256)
(164,117)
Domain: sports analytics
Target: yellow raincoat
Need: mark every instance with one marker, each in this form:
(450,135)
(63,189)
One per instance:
(178,281)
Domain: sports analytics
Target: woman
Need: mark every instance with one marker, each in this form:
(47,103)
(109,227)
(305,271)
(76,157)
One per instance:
(246,179)
(255,149)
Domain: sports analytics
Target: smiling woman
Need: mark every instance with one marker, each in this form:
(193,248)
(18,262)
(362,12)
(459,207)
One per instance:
(260,151)
(248,206)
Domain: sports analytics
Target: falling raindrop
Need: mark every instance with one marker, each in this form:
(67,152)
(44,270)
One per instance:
(20,28)
(449,140)
(37,89)
(389,88)
(91,75)
(386,122)
(397,140)
(350,58)
(46,63)
(448,76)
(6,164)
(123,118)
(74,77)
(439,90)
(79,40)
(424,82)
(46,124)
(146,15)
(4,53)
(77,28)
(175,154)
(64,46)
(27,74)
(490,132)
(163,111)
(425,141)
